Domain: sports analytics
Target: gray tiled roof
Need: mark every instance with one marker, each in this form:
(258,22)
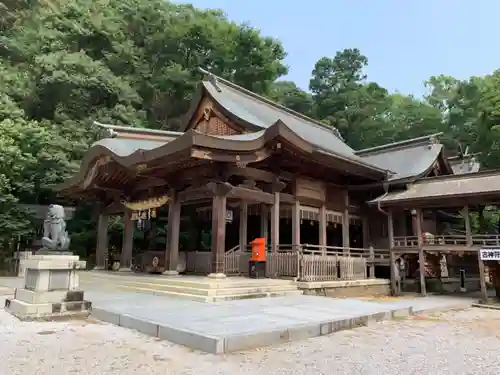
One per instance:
(262,113)
(408,161)
(124,147)
(446,187)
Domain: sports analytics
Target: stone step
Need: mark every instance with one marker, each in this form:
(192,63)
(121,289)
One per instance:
(189,281)
(216,298)
(229,289)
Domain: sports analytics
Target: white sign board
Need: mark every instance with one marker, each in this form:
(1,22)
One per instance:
(229,216)
(490,254)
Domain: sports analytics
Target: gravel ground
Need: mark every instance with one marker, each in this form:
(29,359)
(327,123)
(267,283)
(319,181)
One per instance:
(454,342)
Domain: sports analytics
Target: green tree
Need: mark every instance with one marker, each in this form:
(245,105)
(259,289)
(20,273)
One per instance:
(289,95)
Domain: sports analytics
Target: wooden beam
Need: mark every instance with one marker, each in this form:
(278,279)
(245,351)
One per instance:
(194,194)
(148,183)
(251,195)
(242,159)
(287,198)
(252,173)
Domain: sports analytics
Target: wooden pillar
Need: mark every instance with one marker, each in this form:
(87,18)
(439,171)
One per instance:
(345,224)
(296,225)
(322,229)
(219,202)
(173,232)
(127,242)
(243,225)
(102,242)
(482,274)
(392,258)
(275,223)
(421,256)
(366,230)
(264,222)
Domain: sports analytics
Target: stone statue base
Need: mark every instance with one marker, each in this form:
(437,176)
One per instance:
(51,289)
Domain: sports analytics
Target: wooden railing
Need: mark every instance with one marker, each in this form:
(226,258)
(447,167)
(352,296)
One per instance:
(311,262)
(447,240)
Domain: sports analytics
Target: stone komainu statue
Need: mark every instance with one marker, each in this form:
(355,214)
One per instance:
(55,236)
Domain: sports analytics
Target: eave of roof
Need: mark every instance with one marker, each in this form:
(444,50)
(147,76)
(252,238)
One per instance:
(129,152)
(443,188)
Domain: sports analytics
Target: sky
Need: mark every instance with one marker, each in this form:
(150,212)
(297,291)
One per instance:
(405,41)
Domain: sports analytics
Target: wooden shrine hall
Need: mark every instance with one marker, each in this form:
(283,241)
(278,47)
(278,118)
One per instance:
(282,175)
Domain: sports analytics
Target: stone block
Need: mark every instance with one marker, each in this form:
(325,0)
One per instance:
(304,332)
(209,344)
(140,325)
(255,340)
(106,316)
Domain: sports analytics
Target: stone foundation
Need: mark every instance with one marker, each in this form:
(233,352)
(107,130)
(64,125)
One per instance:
(50,289)
(347,288)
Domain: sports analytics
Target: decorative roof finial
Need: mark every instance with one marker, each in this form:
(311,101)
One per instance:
(210,77)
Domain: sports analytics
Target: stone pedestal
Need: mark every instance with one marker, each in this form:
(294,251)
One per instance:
(51,289)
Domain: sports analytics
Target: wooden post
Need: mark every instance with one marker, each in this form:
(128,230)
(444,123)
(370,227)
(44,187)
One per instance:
(220,191)
(392,261)
(322,229)
(366,230)
(102,242)
(296,225)
(421,256)
(127,242)
(275,223)
(264,222)
(345,224)
(482,274)
(243,225)
(218,235)
(173,232)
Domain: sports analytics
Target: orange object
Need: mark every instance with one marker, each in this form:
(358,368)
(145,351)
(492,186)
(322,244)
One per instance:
(259,249)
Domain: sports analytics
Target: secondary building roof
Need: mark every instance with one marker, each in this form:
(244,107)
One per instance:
(409,159)
(443,189)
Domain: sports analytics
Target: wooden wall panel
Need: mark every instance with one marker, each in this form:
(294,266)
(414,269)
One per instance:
(311,189)
(335,198)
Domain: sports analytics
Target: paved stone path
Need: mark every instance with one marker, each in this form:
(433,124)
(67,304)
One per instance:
(243,324)
(456,342)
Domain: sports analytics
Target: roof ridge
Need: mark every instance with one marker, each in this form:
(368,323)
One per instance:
(112,130)
(483,173)
(212,78)
(400,144)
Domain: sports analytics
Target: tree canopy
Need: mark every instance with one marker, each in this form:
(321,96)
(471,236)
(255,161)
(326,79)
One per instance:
(64,64)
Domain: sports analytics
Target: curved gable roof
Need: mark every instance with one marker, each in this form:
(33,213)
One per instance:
(407,159)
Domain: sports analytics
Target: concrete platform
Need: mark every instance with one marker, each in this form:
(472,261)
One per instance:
(197,288)
(245,324)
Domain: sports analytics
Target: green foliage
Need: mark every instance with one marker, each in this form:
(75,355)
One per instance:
(64,64)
